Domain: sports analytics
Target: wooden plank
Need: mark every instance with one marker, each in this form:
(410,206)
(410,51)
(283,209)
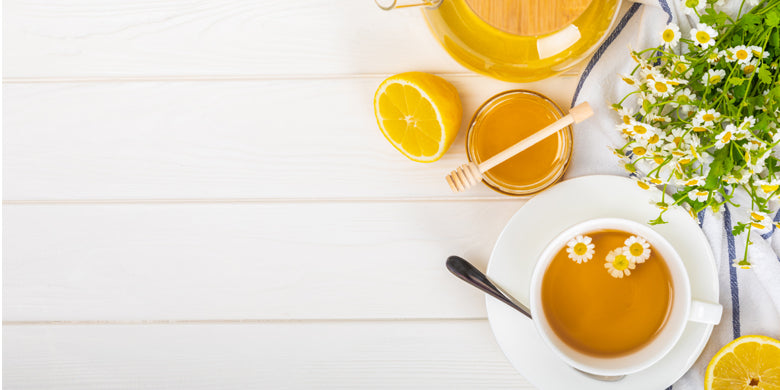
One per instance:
(287,355)
(298,260)
(171,38)
(218,140)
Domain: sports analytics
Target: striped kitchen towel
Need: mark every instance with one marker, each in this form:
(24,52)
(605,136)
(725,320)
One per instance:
(750,298)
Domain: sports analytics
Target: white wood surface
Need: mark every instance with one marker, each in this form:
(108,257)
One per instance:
(308,260)
(272,355)
(195,195)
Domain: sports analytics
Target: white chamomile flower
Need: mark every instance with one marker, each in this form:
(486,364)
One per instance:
(714,56)
(749,67)
(641,130)
(630,80)
(754,144)
(758,52)
(681,67)
(693,181)
(618,264)
(741,264)
(747,123)
(626,115)
(767,187)
(742,54)
(692,7)
(637,249)
(699,195)
(644,184)
(706,117)
(760,221)
(703,35)
(671,35)
(728,55)
(580,249)
(683,97)
(659,87)
(713,77)
(725,137)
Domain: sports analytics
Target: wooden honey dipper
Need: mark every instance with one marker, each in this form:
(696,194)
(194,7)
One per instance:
(470,173)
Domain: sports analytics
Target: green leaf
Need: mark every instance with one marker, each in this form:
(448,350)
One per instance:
(718,167)
(764,75)
(739,228)
(772,18)
(736,80)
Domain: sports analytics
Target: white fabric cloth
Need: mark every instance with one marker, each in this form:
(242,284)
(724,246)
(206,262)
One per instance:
(750,298)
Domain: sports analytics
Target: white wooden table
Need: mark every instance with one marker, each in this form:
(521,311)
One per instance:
(196,196)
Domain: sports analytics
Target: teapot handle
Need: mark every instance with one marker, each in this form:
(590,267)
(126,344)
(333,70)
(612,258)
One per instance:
(388,5)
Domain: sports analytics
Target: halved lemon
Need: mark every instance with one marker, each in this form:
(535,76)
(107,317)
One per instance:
(419,114)
(749,363)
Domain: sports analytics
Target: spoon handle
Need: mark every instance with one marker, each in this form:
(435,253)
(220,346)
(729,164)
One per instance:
(471,275)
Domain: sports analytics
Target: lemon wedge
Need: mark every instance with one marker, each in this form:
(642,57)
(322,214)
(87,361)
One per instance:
(749,362)
(419,114)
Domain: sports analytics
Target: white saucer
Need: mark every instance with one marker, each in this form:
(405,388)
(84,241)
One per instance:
(539,221)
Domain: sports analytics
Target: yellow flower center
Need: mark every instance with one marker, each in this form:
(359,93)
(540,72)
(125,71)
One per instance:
(756,53)
(580,249)
(769,188)
(757,217)
(749,69)
(656,181)
(757,225)
(692,182)
(661,87)
(658,160)
(628,81)
(742,54)
(708,117)
(701,193)
(685,161)
(668,35)
(726,137)
(651,77)
(655,138)
(714,79)
(640,129)
(643,185)
(636,249)
(677,140)
(640,151)
(626,119)
(699,129)
(620,263)
(702,36)
(681,67)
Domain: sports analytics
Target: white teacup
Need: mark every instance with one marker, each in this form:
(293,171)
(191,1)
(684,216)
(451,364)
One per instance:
(684,307)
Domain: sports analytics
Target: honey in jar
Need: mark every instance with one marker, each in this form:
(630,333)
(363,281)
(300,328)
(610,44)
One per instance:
(508,118)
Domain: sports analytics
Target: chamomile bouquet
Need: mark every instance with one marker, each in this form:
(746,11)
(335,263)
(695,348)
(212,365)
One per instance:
(704,125)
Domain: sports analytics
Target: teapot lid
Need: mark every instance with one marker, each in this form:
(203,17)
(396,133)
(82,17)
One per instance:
(528,17)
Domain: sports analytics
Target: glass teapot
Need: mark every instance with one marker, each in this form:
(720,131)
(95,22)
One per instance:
(517,40)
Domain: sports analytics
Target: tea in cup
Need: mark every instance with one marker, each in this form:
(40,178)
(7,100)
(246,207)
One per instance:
(611,297)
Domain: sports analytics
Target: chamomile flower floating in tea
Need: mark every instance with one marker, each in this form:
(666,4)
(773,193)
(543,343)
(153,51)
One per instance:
(637,249)
(580,249)
(618,264)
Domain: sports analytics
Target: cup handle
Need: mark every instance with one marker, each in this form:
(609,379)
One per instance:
(705,312)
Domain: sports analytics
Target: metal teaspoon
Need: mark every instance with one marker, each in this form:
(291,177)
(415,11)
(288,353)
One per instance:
(471,275)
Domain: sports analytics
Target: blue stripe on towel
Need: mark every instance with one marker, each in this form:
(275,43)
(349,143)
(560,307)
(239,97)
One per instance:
(700,216)
(769,234)
(665,7)
(595,59)
(732,272)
